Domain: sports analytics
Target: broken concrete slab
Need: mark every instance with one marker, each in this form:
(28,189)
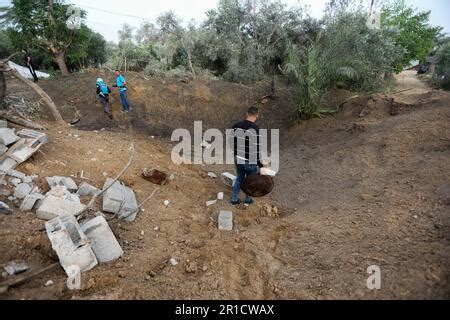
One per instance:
(62,181)
(15,181)
(33,135)
(228,179)
(7,164)
(70,243)
(87,190)
(120,200)
(3,149)
(103,242)
(30,201)
(16,267)
(22,190)
(226,220)
(16,174)
(8,137)
(52,207)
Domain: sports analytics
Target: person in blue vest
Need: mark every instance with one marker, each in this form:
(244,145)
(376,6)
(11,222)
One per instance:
(121,83)
(103,92)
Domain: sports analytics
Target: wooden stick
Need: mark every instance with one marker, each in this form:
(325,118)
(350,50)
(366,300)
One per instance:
(5,286)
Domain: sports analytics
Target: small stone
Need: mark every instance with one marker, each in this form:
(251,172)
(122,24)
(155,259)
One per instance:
(105,174)
(49,283)
(142,233)
(220,196)
(156,228)
(166,203)
(14,267)
(212,175)
(211,203)
(173,262)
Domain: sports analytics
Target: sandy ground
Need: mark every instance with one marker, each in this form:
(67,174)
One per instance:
(354,190)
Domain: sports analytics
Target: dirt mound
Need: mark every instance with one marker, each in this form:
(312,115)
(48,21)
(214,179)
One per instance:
(162,105)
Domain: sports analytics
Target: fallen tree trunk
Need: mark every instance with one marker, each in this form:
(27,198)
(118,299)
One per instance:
(48,101)
(7,115)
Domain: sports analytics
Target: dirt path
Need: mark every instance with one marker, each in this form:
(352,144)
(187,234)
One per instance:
(354,190)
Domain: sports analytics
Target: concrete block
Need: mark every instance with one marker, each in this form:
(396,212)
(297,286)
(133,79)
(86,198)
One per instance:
(70,243)
(211,203)
(7,164)
(52,207)
(30,201)
(226,220)
(16,174)
(120,200)
(7,136)
(86,190)
(22,190)
(33,135)
(228,179)
(3,149)
(3,124)
(62,181)
(103,242)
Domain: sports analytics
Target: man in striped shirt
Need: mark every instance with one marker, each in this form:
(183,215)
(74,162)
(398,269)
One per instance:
(246,152)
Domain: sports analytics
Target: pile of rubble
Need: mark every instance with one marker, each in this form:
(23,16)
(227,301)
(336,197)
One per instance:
(77,244)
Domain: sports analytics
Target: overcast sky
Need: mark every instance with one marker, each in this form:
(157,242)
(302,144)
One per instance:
(134,12)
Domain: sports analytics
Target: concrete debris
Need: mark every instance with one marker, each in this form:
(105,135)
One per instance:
(228,179)
(33,135)
(103,242)
(4,209)
(49,283)
(3,124)
(120,200)
(166,203)
(70,243)
(220,196)
(53,207)
(22,190)
(15,267)
(16,174)
(11,198)
(211,203)
(173,262)
(29,142)
(212,175)
(62,181)
(15,182)
(30,201)
(3,149)
(268,172)
(7,136)
(86,190)
(7,164)
(226,220)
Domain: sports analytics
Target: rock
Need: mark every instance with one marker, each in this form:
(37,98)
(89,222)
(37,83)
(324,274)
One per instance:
(7,136)
(172,177)
(212,175)
(220,196)
(166,203)
(49,283)
(173,262)
(30,201)
(62,181)
(4,208)
(443,193)
(120,200)
(211,203)
(70,243)
(15,267)
(86,190)
(22,190)
(228,179)
(53,207)
(103,242)
(11,198)
(226,220)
